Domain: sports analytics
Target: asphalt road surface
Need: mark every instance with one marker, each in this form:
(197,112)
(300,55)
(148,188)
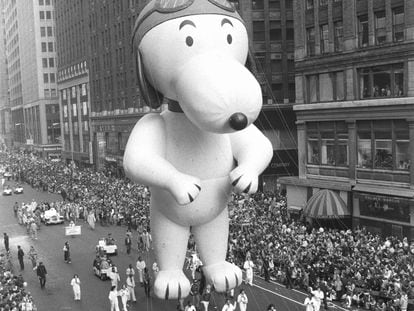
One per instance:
(58,293)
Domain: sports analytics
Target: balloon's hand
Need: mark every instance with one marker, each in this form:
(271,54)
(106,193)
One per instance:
(244,180)
(185,188)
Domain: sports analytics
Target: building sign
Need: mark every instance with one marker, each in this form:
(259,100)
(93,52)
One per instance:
(284,162)
(379,206)
(73,230)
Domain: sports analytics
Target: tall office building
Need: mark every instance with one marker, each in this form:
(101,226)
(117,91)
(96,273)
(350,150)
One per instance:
(355,112)
(31,60)
(6,135)
(270,28)
(72,38)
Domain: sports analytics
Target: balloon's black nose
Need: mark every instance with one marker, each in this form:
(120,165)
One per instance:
(238,121)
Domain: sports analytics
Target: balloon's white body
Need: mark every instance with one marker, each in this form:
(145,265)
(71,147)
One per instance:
(189,158)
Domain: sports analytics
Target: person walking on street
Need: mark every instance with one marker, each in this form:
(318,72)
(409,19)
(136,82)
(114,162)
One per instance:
(128,243)
(113,299)
(20,255)
(130,282)
(91,219)
(248,267)
(308,303)
(140,270)
(33,256)
(271,307)
(124,293)
(115,278)
(147,282)
(75,283)
(33,230)
(242,300)
(66,252)
(6,242)
(41,273)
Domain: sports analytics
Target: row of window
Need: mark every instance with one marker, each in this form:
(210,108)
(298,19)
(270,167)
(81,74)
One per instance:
(45,15)
(363,37)
(47,46)
(45,2)
(49,93)
(46,31)
(84,107)
(48,62)
(49,78)
(382,144)
(273,4)
(84,124)
(373,82)
(275,31)
(72,91)
(310,4)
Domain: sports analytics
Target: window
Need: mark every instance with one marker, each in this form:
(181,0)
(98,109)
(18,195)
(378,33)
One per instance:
(323,2)
(64,94)
(398,24)
(74,110)
(383,144)
(75,128)
(47,2)
(380,31)
(65,111)
(258,31)
(41,2)
(290,34)
(48,15)
(51,62)
(363,30)
(44,47)
(310,41)
(45,78)
(381,81)
(313,88)
(324,34)
(66,128)
(274,4)
(277,90)
(50,46)
(338,36)
(44,62)
(49,31)
(325,87)
(275,31)
(43,31)
(327,143)
(52,78)
(83,90)
(73,92)
(257,5)
(42,14)
(85,108)
(309,4)
(85,126)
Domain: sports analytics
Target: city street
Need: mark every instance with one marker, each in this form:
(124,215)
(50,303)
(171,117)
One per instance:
(58,293)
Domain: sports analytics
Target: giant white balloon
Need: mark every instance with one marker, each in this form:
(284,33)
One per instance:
(205,146)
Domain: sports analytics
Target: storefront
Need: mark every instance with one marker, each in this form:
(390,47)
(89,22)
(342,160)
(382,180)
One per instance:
(390,214)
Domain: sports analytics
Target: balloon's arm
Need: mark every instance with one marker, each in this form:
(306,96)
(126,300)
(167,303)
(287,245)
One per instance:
(144,160)
(145,163)
(251,148)
(253,152)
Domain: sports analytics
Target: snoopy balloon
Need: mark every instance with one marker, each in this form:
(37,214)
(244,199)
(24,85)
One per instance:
(191,54)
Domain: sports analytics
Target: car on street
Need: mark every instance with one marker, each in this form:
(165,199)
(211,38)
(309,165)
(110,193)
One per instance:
(7,191)
(18,189)
(7,175)
(108,247)
(52,217)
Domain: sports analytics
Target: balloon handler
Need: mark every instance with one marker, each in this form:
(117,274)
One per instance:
(191,54)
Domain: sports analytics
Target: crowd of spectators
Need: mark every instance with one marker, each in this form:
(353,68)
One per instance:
(13,295)
(355,267)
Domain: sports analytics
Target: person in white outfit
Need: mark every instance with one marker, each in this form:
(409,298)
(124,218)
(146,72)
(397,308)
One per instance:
(130,282)
(248,268)
(124,294)
(75,283)
(242,300)
(140,270)
(113,299)
(317,298)
(308,303)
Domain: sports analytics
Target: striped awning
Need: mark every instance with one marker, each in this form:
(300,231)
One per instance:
(326,204)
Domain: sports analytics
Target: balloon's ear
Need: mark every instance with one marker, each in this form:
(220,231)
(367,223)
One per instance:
(152,97)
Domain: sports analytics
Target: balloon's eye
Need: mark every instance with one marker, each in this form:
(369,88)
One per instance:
(189,41)
(229,39)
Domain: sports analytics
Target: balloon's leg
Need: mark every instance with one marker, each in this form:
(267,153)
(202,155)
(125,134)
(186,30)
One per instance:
(170,245)
(211,240)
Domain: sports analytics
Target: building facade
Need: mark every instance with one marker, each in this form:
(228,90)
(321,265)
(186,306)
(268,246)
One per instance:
(355,109)
(6,135)
(73,51)
(31,65)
